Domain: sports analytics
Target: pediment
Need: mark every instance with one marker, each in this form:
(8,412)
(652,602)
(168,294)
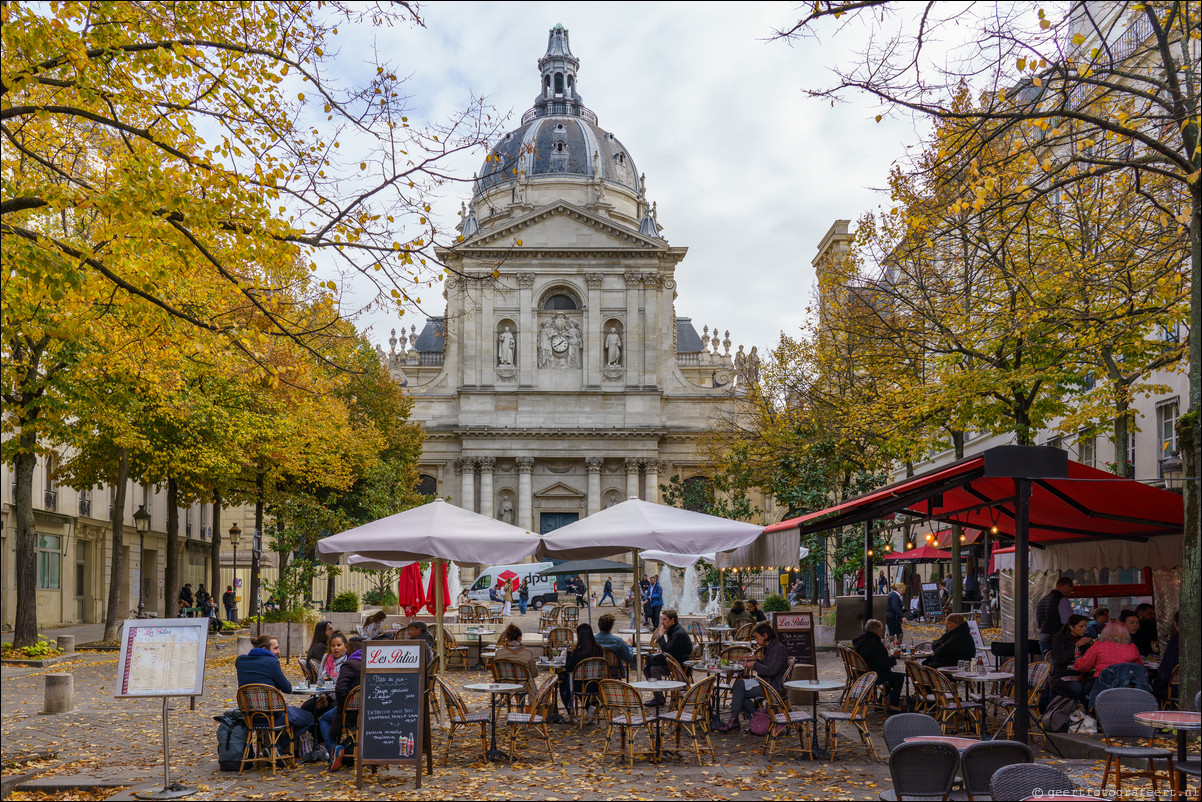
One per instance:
(563,225)
(560,491)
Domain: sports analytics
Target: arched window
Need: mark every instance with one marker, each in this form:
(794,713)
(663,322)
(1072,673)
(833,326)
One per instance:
(559,83)
(427,485)
(559,302)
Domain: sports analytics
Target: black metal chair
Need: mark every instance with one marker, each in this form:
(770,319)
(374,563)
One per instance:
(923,770)
(909,725)
(979,762)
(1116,709)
(1025,780)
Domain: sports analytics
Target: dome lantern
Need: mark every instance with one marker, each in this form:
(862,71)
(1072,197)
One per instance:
(558,68)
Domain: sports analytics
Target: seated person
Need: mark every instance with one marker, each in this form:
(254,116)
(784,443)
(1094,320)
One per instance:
(418,630)
(757,614)
(1112,646)
(509,647)
(349,677)
(1101,617)
(1066,645)
(673,642)
(607,640)
(371,627)
(1168,661)
(586,647)
(738,615)
(321,639)
(771,668)
(319,704)
(956,644)
(1145,636)
(261,666)
(871,646)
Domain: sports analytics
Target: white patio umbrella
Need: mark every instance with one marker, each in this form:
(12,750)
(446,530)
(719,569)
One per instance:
(359,561)
(436,531)
(635,525)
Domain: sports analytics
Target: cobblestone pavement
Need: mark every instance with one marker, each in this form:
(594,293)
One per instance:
(111,739)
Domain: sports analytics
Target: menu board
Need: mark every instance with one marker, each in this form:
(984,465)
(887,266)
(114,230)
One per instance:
(796,632)
(393,720)
(162,657)
(975,629)
(931,605)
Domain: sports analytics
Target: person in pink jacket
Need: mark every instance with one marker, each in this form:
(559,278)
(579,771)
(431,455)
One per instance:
(1112,646)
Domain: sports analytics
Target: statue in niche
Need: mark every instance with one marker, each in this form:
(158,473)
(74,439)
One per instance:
(613,348)
(505,513)
(559,343)
(505,348)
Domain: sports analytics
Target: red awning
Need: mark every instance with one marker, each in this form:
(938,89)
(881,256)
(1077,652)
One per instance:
(922,554)
(1087,504)
(943,538)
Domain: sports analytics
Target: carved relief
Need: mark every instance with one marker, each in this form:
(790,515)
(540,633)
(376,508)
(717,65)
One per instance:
(594,280)
(526,280)
(559,344)
(594,464)
(525,464)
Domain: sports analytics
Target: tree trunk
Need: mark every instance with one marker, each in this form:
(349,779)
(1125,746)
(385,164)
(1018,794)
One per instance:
(171,572)
(329,587)
(25,627)
(215,552)
(256,545)
(957,574)
(1122,439)
(1189,439)
(113,616)
(281,584)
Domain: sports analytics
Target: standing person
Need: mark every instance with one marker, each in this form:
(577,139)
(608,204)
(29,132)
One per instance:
(882,583)
(673,642)
(655,601)
(202,598)
(972,587)
(507,599)
(523,597)
(580,591)
(644,588)
(771,668)
(229,601)
(1052,611)
(1170,658)
(608,592)
(895,611)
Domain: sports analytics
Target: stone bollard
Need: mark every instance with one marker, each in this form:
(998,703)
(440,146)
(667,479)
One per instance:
(66,644)
(60,690)
(243,644)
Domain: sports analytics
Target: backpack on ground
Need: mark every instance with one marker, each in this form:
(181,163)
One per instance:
(232,734)
(1059,714)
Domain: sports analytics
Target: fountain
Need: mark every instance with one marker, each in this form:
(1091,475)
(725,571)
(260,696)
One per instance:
(454,583)
(426,577)
(671,595)
(690,595)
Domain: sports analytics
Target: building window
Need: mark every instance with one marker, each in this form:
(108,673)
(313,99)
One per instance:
(1085,451)
(427,485)
(1166,428)
(49,559)
(559,302)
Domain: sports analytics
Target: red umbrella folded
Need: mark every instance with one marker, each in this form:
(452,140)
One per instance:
(446,594)
(410,595)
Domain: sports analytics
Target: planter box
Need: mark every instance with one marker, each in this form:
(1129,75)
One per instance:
(347,622)
(824,634)
(299,634)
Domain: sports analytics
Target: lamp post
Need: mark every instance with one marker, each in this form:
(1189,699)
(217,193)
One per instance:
(1172,473)
(235,533)
(141,523)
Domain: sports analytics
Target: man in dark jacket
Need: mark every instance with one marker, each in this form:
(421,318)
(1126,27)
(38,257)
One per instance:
(185,595)
(871,646)
(1146,634)
(261,666)
(955,645)
(1052,611)
(229,601)
(349,677)
(674,642)
(608,592)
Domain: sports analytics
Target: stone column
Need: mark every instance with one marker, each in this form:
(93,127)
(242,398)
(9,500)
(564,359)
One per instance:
(467,467)
(651,469)
(594,465)
(525,492)
(632,476)
(635,333)
(651,337)
(527,331)
(487,504)
(594,335)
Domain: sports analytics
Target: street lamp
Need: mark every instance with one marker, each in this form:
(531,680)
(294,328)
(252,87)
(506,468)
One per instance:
(141,523)
(235,533)
(1172,473)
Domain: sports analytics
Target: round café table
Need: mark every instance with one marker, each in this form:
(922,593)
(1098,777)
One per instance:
(478,634)
(717,631)
(816,686)
(494,689)
(722,672)
(658,686)
(969,677)
(1182,721)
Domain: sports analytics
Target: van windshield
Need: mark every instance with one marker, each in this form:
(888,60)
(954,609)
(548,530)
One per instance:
(483,582)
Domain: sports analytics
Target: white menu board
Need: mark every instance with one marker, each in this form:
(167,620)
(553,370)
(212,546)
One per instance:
(162,657)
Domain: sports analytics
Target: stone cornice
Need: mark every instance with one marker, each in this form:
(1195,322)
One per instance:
(551,433)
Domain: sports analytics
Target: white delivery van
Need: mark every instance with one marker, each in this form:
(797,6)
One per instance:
(541,588)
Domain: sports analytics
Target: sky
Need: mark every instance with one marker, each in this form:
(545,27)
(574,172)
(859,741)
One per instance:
(748,172)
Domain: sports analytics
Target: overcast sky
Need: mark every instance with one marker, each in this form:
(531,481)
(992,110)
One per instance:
(747,171)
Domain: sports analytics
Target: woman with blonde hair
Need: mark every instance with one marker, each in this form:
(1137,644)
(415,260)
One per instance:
(1113,646)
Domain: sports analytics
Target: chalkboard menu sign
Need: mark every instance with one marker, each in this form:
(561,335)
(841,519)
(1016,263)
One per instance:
(931,606)
(393,720)
(796,632)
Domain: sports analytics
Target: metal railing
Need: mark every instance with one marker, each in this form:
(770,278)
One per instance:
(560,108)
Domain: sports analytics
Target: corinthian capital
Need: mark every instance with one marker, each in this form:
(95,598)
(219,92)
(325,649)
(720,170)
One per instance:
(525,464)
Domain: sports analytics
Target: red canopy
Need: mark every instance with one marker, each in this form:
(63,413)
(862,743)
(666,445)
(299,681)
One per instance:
(943,538)
(923,554)
(410,595)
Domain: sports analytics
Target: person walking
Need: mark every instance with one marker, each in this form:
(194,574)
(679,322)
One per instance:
(229,601)
(608,592)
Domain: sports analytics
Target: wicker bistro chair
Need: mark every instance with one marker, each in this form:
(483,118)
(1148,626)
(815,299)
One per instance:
(536,716)
(784,719)
(923,695)
(623,708)
(909,725)
(743,631)
(560,638)
(547,617)
(310,670)
(923,770)
(1116,709)
(266,715)
(1038,673)
(697,634)
(506,670)
(1025,780)
(980,761)
(569,616)
(693,714)
(585,689)
(485,614)
(852,711)
(951,708)
(466,614)
(350,715)
(459,716)
(617,668)
(677,674)
(454,652)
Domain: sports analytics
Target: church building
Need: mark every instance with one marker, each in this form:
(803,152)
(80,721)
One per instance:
(560,380)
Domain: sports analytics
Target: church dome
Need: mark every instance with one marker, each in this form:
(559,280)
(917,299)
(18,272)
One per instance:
(559,136)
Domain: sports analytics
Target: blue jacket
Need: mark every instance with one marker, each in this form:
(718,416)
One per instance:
(261,667)
(655,595)
(608,640)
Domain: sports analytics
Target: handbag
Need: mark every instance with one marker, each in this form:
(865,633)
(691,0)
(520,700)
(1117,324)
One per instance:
(760,722)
